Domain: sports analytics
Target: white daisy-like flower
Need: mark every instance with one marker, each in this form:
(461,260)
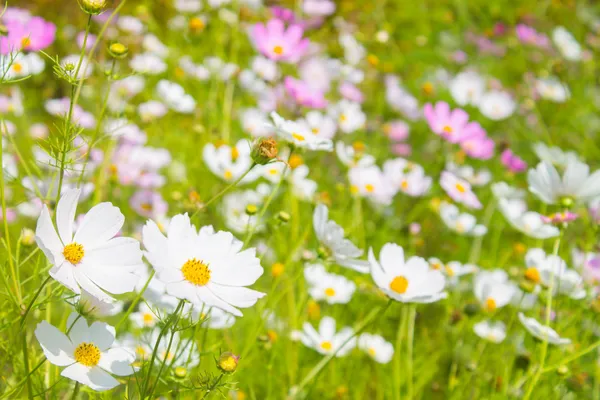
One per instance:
(467,88)
(87,352)
(576,183)
(92,258)
(463,223)
(497,105)
(204,267)
(528,222)
(502,190)
(491,331)
(493,289)
(256,122)
(22,65)
(234,205)
(552,89)
(371,183)
(547,268)
(302,187)
(230,162)
(144,317)
(459,189)
(352,155)
(175,97)
(407,177)
(214,318)
(349,116)
(542,332)
(568,46)
(331,288)
(554,155)
(300,135)
(453,269)
(410,281)
(331,236)
(376,347)
(148,63)
(265,68)
(318,123)
(475,177)
(326,340)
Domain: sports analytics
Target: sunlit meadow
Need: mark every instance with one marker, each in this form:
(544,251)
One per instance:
(319,199)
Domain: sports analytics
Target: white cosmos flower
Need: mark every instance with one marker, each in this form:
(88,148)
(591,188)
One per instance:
(175,97)
(542,332)
(576,182)
(332,288)
(549,269)
(407,177)
(469,174)
(497,105)
(376,347)
(502,190)
(352,155)
(87,352)
(554,155)
(256,122)
(299,134)
(148,63)
(92,258)
(371,183)
(144,317)
(204,267)
(494,332)
(410,281)
(214,318)
(567,44)
(467,88)
(459,190)
(230,162)
(302,187)
(463,223)
(22,65)
(493,289)
(349,116)
(318,123)
(234,207)
(326,340)
(331,236)
(528,222)
(265,68)
(552,89)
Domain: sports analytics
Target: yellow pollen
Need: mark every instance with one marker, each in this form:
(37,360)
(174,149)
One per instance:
(196,272)
(460,227)
(315,131)
(295,161)
(428,88)
(272,335)
(369,188)
(371,352)
(87,354)
(196,24)
(327,346)
(447,129)
(73,253)
(342,118)
(273,171)
(148,318)
(297,136)
(353,189)
(449,271)
(436,266)
(460,188)
(358,146)
(399,284)
(490,304)
(329,292)
(278,50)
(532,274)
(141,351)
(17,67)
(25,42)
(234,153)
(404,184)
(228,174)
(146,206)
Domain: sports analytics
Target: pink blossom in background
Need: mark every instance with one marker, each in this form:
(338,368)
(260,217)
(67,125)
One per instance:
(591,270)
(529,35)
(304,94)
(459,57)
(449,124)
(33,35)
(500,29)
(559,218)
(480,147)
(90,40)
(276,42)
(284,14)
(402,149)
(148,203)
(351,92)
(397,130)
(512,162)
(318,8)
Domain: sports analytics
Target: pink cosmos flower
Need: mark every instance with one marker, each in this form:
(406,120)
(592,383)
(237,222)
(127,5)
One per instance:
(33,35)
(148,203)
(351,92)
(529,35)
(475,142)
(397,130)
(276,42)
(304,94)
(91,40)
(559,218)
(401,149)
(591,270)
(449,124)
(284,14)
(513,162)
(459,190)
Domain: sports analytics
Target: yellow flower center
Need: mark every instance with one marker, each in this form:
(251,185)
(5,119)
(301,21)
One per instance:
(447,129)
(371,351)
(399,284)
(146,206)
(25,42)
(278,50)
(196,24)
(141,351)
(460,187)
(87,354)
(342,118)
(326,345)
(148,318)
(436,265)
(315,131)
(17,67)
(532,274)
(196,272)
(228,174)
(298,136)
(369,188)
(73,253)
(329,292)
(234,153)
(404,184)
(490,304)
(273,171)
(449,271)
(353,189)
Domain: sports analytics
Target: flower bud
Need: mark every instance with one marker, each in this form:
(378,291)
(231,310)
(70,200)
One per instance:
(283,216)
(180,372)
(471,309)
(228,362)
(3,30)
(93,7)
(562,370)
(277,269)
(27,237)
(263,151)
(118,50)
(251,209)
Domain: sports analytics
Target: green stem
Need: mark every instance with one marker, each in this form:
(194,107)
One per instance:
(135,301)
(398,349)
(410,336)
(26,365)
(75,391)
(37,294)
(213,386)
